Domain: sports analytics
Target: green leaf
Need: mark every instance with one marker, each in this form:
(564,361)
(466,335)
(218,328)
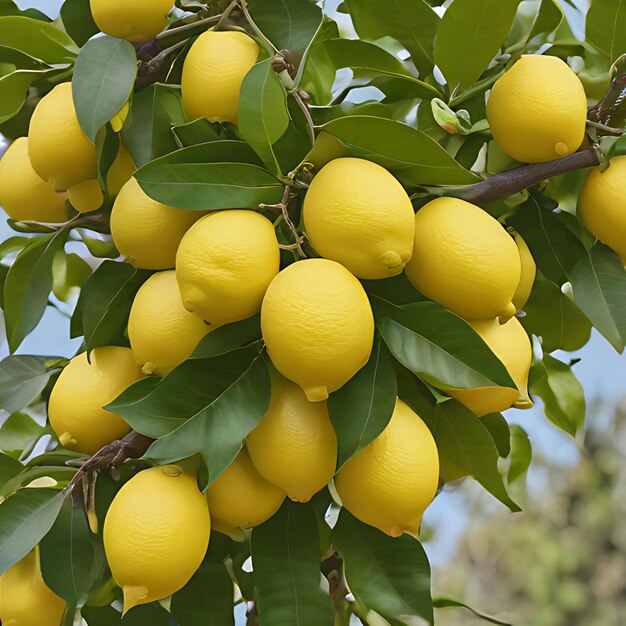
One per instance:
(8,7)
(153,614)
(14,89)
(548,19)
(500,432)
(78,21)
(361,409)
(22,379)
(228,337)
(286,557)
(69,271)
(28,474)
(447,603)
(197,132)
(9,468)
(19,433)
(390,576)
(521,454)
(606,27)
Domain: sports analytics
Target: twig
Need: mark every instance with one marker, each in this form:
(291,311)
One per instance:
(189,29)
(606,130)
(227,11)
(310,124)
(283,206)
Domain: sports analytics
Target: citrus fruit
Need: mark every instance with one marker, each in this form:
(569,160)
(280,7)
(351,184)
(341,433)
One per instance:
(121,171)
(391,481)
(82,389)
(225,263)
(162,332)
(464,259)
(356,213)
(317,325)
(156,533)
(213,72)
(529,271)
(538,109)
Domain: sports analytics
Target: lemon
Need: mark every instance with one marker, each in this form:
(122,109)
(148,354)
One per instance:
(464,259)
(602,205)
(529,271)
(138,21)
(145,231)
(240,497)
(59,150)
(24,195)
(538,109)
(294,446)
(82,389)
(25,599)
(156,533)
(225,263)
(317,325)
(391,481)
(121,171)
(213,72)
(510,343)
(356,213)
(161,331)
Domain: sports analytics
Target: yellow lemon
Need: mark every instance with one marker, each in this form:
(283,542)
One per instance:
(162,332)
(225,263)
(464,259)
(240,497)
(510,343)
(58,148)
(24,195)
(391,481)
(25,599)
(145,231)
(529,271)
(356,213)
(82,389)
(138,21)
(538,109)
(317,325)
(121,171)
(602,205)
(156,533)
(213,72)
(294,446)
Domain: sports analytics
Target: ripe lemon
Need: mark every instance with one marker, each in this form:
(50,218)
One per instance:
(538,109)
(162,332)
(138,21)
(225,263)
(121,171)
(464,259)
(25,599)
(58,148)
(356,213)
(145,231)
(24,195)
(317,325)
(156,533)
(391,481)
(82,389)
(529,271)
(240,497)
(510,343)
(294,446)
(602,205)
(213,72)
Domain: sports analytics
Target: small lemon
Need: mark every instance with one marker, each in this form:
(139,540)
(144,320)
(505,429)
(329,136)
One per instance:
(464,259)
(213,72)
(294,446)
(356,213)
(538,109)
(225,263)
(391,481)
(510,343)
(529,271)
(317,325)
(145,231)
(82,389)
(156,533)
(161,331)
(121,171)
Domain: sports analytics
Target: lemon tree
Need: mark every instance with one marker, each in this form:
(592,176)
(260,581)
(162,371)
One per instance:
(312,254)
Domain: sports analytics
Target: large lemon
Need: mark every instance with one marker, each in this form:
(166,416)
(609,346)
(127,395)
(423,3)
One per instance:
(137,21)
(225,263)
(162,332)
(213,72)
(317,325)
(510,343)
(156,533)
(294,446)
(24,195)
(529,271)
(82,389)
(391,481)
(145,231)
(356,213)
(464,259)
(538,109)
(25,599)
